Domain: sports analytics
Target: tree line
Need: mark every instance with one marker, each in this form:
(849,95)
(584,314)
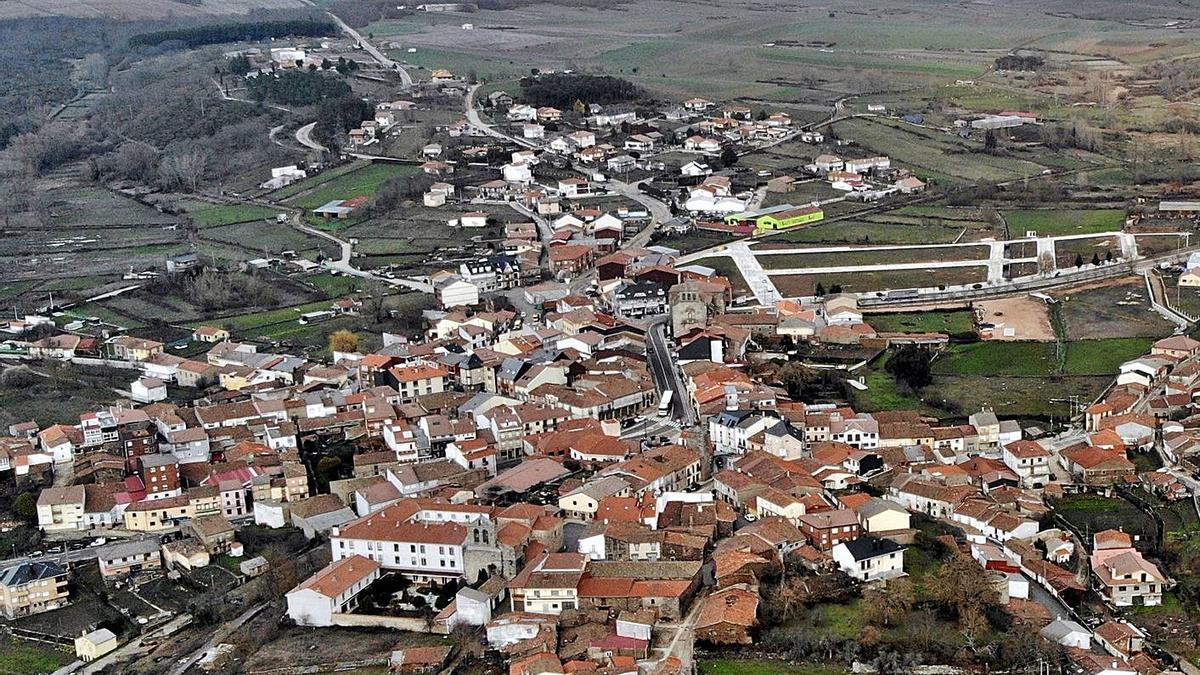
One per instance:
(297,87)
(235,32)
(563,90)
(1015,62)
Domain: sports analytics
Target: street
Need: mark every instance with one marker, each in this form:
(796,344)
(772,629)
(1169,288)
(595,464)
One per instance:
(665,372)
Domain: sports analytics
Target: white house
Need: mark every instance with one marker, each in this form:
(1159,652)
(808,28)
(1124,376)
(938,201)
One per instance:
(517,172)
(1068,634)
(1030,461)
(870,558)
(694,169)
(333,590)
(456,292)
(148,390)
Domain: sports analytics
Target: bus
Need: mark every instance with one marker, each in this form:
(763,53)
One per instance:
(664,405)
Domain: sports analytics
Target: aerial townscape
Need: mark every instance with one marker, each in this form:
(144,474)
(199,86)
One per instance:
(599,337)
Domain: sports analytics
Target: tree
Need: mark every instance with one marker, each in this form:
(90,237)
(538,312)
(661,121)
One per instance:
(835,289)
(890,605)
(819,290)
(25,507)
(328,467)
(911,365)
(343,340)
(1078,260)
(729,156)
(1095,259)
(960,587)
(1108,257)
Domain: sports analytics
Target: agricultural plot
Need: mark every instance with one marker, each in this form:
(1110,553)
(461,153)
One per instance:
(269,238)
(1069,251)
(871,257)
(793,285)
(1059,222)
(362,182)
(1113,310)
(998,359)
(936,154)
(952,323)
(1154,245)
(215,215)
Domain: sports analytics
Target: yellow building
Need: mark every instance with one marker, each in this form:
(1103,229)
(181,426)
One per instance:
(158,514)
(95,644)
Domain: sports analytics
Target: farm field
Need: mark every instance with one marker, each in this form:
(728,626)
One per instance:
(1118,309)
(858,282)
(1000,359)
(935,154)
(362,182)
(1058,222)
(751,667)
(692,241)
(23,656)
(269,238)
(231,214)
(871,257)
(1092,513)
(952,323)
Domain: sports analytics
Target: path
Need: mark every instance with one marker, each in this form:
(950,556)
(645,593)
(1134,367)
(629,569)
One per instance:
(342,264)
(222,632)
(225,95)
(367,46)
(132,649)
(683,643)
(304,137)
(754,274)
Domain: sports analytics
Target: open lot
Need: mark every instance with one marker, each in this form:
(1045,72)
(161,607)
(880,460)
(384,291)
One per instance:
(727,268)
(19,657)
(363,182)
(1114,309)
(871,257)
(952,323)
(859,282)
(1027,317)
(1057,222)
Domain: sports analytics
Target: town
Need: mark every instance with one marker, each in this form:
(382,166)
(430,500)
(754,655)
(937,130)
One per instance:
(423,362)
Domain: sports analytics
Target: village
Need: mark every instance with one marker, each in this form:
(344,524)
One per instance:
(555,375)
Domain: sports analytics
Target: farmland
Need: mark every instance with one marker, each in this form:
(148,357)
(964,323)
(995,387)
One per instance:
(951,323)
(1118,309)
(363,182)
(859,282)
(231,214)
(1058,222)
(852,257)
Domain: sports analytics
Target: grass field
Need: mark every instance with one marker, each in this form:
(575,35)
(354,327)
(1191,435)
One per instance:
(727,268)
(21,657)
(935,154)
(230,214)
(951,323)
(1057,222)
(880,257)
(1003,359)
(1092,513)
(858,282)
(1111,311)
(1103,357)
(363,182)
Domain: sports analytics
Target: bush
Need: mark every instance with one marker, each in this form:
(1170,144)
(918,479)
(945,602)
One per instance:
(562,91)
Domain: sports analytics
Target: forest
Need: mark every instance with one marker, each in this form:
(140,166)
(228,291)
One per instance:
(199,36)
(563,90)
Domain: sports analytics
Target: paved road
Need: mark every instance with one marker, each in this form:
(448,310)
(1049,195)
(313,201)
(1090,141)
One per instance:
(304,137)
(369,48)
(343,265)
(476,121)
(86,554)
(666,373)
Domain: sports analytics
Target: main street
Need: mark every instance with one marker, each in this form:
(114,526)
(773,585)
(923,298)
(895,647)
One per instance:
(663,367)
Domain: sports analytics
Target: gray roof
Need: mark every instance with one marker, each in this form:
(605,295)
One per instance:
(1061,628)
(877,506)
(100,635)
(26,572)
(129,548)
(473,595)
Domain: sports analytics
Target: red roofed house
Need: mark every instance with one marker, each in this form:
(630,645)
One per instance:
(1030,461)
(333,590)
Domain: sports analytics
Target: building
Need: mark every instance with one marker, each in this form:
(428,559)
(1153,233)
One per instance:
(548,584)
(31,587)
(1123,577)
(129,557)
(1030,461)
(95,644)
(728,616)
(869,558)
(61,508)
(333,590)
(776,218)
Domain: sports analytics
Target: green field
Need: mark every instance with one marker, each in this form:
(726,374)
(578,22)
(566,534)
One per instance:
(1103,357)
(727,268)
(793,285)
(867,232)
(871,257)
(1057,222)
(1092,513)
(951,323)
(21,657)
(364,182)
(230,214)
(1005,359)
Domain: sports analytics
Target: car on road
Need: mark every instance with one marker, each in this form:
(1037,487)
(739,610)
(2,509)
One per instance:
(54,549)
(100,541)
(37,554)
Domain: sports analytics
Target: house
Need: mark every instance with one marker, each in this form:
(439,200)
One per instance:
(1030,461)
(826,529)
(148,390)
(415,660)
(454,291)
(870,558)
(210,334)
(878,516)
(61,509)
(1120,638)
(1068,634)
(31,587)
(129,348)
(129,558)
(574,187)
(1124,578)
(332,590)
(548,584)
(93,645)
(728,616)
